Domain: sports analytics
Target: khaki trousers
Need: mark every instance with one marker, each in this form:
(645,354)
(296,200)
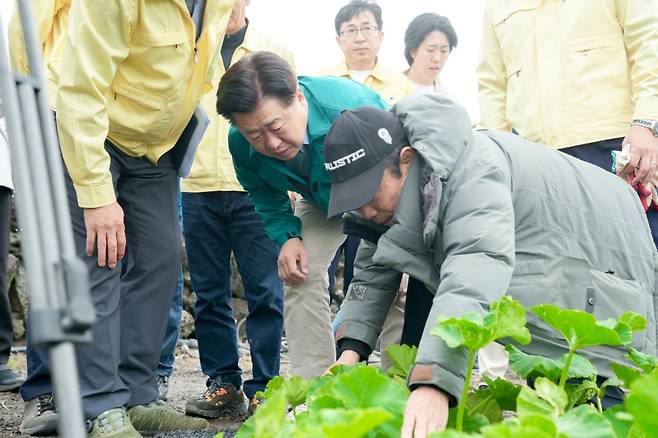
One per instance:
(307,317)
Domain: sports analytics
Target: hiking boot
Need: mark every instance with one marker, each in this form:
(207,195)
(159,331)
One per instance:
(163,387)
(158,416)
(10,380)
(220,399)
(113,423)
(255,403)
(39,416)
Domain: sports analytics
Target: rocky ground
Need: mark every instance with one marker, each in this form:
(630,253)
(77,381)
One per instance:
(187,382)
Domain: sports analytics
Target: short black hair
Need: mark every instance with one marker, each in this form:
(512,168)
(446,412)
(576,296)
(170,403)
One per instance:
(423,25)
(392,160)
(354,8)
(252,78)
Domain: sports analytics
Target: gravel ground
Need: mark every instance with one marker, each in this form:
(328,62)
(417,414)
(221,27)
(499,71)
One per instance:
(187,382)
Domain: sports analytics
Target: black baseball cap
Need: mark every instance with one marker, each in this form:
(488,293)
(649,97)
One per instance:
(355,149)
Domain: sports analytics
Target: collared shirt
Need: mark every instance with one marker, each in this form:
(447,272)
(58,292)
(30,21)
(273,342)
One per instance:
(566,73)
(390,85)
(212,169)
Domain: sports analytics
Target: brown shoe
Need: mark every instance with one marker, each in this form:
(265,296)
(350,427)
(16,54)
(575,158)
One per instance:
(255,403)
(219,400)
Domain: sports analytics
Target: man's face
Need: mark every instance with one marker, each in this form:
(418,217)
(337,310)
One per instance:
(237,19)
(360,39)
(381,208)
(275,128)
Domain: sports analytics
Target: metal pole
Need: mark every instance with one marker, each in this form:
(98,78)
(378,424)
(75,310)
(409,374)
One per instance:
(60,309)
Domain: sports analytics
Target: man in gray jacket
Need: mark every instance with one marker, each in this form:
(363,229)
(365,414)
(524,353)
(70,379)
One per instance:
(477,215)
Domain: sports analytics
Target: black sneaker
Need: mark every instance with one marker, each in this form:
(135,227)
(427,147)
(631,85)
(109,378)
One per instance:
(10,380)
(219,400)
(40,416)
(255,403)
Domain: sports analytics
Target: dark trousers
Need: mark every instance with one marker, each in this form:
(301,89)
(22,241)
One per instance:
(6,329)
(214,225)
(133,299)
(350,246)
(600,154)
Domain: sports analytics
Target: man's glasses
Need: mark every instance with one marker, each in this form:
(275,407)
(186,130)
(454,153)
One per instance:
(366,31)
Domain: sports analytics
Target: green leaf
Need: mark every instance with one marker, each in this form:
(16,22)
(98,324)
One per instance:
(504,391)
(635,321)
(580,329)
(611,382)
(646,362)
(546,399)
(505,318)
(531,425)
(273,386)
(482,402)
(452,434)
(579,393)
(621,424)
(472,421)
(219,435)
(585,422)
(642,403)
(295,389)
(341,423)
(402,358)
(626,374)
(269,421)
(530,367)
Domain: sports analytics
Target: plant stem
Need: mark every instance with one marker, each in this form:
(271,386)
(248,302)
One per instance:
(467,386)
(599,406)
(565,370)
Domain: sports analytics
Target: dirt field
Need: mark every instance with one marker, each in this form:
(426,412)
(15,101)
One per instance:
(186,383)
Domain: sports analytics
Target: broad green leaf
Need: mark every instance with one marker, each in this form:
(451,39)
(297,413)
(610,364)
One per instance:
(504,391)
(646,362)
(530,367)
(269,421)
(339,369)
(635,321)
(529,402)
(579,393)
(482,402)
(505,318)
(295,389)
(527,426)
(402,358)
(585,422)
(546,399)
(317,383)
(626,374)
(642,403)
(453,434)
(219,435)
(467,331)
(621,424)
(552,393)
(341,423)
(472,421)
(273,386)
(580,329)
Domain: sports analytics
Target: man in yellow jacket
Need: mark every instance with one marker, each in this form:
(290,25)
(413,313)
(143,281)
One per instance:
(359,35)
(220,219)
(580,76)
(131,75)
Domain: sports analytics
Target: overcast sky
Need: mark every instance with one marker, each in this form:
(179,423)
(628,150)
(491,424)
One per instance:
(307,26)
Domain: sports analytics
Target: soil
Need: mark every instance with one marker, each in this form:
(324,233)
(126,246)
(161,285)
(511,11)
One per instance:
(186,383)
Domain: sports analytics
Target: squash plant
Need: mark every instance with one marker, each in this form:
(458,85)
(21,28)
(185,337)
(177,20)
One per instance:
(562,402)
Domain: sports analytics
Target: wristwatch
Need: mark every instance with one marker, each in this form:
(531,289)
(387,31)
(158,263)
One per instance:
(650,124)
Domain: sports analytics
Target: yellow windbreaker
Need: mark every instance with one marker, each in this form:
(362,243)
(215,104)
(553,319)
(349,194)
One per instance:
(51,18)
(566,73)
(131,72)
(212,169)
(391,86)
